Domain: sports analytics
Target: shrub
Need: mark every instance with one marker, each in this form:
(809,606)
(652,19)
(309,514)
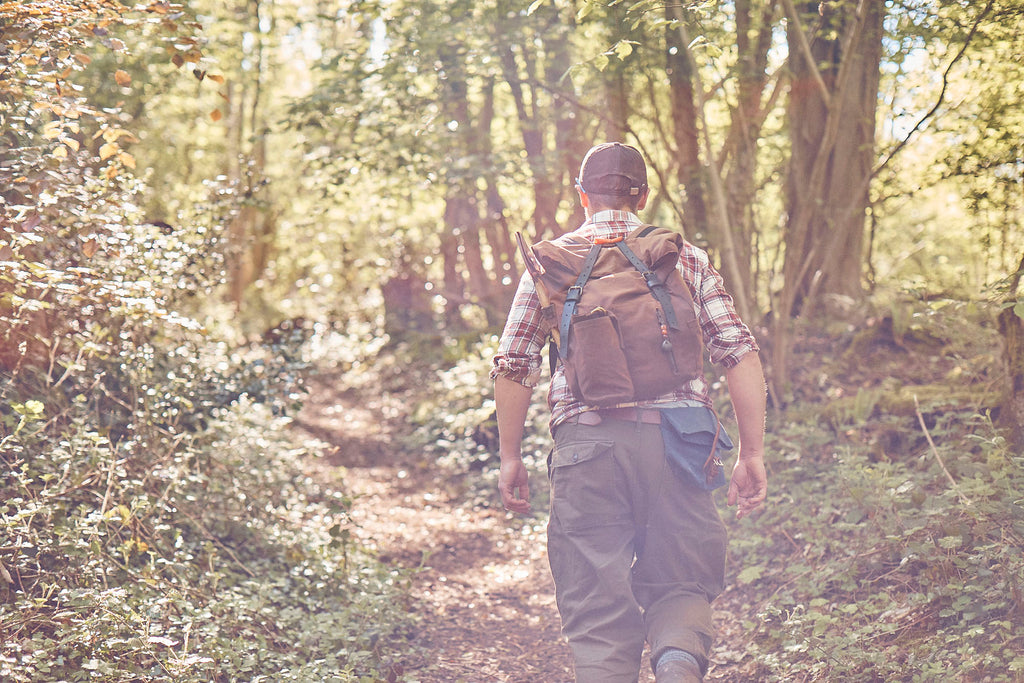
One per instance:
(910,579)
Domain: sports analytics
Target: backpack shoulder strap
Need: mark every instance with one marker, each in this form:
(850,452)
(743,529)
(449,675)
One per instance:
(572,298)
(658,289)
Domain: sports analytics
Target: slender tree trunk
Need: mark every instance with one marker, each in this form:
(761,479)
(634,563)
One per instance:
(253,228)
(570,145)
(1011,327)
(545,198)
(616,101)
(721,231)
(689,172)
(454,292)
(460,215)
(753,40)
(495,223)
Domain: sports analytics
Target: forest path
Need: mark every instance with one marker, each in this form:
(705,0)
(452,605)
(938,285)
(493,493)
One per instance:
(480,584)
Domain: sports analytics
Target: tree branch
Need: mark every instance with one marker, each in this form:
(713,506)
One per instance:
(805,48)
(942,93)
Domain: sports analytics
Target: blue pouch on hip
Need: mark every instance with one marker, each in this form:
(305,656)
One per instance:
(694,444)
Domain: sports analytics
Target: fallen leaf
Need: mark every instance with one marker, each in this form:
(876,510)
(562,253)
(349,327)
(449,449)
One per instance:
(122,78)
(216,115)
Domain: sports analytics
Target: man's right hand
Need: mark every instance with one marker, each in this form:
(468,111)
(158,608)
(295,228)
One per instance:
(512,402)
(513,483)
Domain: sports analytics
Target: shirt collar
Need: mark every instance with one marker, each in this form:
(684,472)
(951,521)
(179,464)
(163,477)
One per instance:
(609,223)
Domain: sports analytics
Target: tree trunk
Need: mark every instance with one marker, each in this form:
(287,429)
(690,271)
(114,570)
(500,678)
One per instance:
(616,102)
(753,40)
(407,308)
(833,99)
(460,213)
(689,172)
(721,232)
(495,222)
(253,228)
(545,199)
(1011,327)
(832,133)
(570,145)
(454,291)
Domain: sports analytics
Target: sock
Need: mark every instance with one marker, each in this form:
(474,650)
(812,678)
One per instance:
(674,654)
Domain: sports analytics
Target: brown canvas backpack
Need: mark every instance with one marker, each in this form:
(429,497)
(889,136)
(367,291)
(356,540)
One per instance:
(621,316)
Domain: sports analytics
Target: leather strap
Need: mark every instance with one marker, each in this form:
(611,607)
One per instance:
(657,287)
(572,299)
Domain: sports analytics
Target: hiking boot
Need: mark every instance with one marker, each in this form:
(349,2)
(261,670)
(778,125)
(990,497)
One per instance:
(678,672)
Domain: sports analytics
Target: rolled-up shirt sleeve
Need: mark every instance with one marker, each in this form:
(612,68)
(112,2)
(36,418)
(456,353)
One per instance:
(522,341)
(726,337)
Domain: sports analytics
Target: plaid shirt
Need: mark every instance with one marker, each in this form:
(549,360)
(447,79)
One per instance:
(726,337)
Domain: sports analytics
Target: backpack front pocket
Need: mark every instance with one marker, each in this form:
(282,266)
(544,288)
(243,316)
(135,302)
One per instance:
(596,365)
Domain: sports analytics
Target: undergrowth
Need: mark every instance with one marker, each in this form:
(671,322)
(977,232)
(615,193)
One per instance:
(889,551)
(156,519)
(891,548)
(456,426)
(872,570)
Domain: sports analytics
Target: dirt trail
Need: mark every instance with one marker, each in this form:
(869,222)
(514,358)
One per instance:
(481,583)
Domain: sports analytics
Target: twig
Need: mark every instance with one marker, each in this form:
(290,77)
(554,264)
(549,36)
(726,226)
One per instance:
(920,418)
(942,92)
(210,537)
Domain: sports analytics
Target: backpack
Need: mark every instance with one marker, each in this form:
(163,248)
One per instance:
(622,319)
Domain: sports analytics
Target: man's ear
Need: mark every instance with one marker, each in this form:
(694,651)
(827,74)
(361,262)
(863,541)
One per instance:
(643,200)
(584,199)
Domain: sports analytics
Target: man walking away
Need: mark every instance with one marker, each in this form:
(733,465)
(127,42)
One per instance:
(635,543)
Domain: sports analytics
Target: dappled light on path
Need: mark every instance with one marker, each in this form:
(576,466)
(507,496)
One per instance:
(479,580)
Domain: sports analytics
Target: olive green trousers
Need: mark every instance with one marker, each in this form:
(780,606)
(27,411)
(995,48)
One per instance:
(636,553)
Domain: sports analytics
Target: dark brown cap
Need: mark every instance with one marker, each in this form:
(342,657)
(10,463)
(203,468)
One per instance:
(613,168)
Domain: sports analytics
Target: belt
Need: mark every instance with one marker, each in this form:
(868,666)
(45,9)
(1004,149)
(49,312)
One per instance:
(642,415)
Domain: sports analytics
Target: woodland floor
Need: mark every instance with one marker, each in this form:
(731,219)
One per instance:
(480,583)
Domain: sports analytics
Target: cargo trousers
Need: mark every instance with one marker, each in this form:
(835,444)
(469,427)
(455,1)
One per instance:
(637,554)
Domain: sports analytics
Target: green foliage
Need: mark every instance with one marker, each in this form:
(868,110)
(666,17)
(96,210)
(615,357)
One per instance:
(456,427)
(190,563)
(908,580)
(156,519)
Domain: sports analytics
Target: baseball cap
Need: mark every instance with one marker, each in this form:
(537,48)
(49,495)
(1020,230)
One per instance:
(613,168)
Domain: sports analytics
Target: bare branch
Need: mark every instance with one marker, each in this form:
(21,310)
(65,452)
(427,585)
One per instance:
(942,93)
